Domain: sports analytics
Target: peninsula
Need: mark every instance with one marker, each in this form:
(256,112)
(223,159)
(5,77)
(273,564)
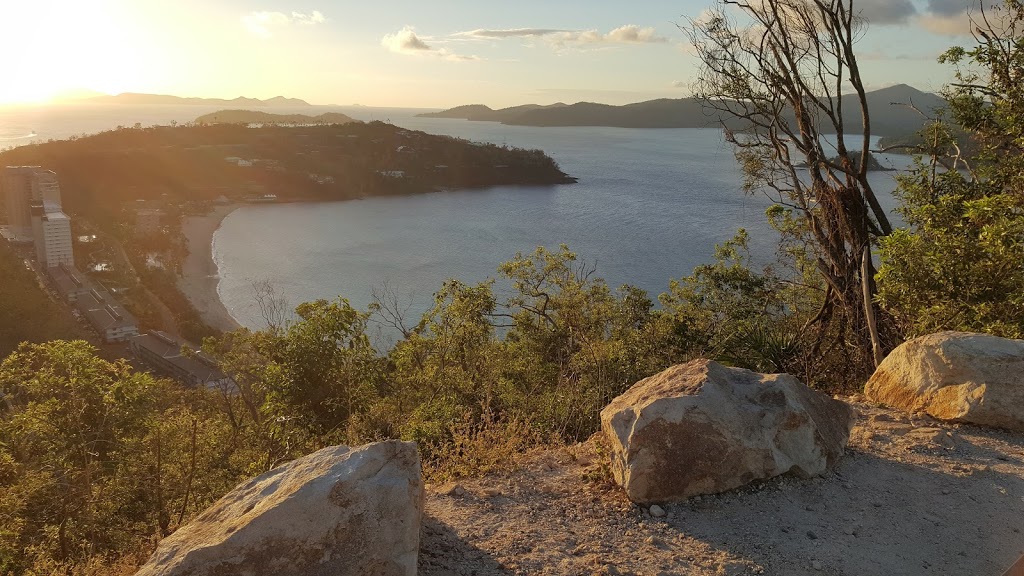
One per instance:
(889,107)
(202,163)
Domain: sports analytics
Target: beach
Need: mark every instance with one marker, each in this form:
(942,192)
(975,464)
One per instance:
(199,274)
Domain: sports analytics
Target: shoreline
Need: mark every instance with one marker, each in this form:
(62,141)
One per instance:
(199,274)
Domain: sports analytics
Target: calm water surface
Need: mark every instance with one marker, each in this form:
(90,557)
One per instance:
(650,206)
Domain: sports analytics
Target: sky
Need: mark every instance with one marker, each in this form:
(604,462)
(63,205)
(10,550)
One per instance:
(402,53)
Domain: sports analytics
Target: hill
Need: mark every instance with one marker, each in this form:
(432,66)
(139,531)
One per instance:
(103,173)
(136,99)
(260,117)
(27,314)
(887,119)
(481,113)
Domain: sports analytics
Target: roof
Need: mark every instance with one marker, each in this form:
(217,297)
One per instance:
(103,312)
(199,365)
(68,279)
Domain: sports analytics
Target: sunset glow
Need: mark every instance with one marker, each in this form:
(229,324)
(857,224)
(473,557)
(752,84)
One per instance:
(398,54)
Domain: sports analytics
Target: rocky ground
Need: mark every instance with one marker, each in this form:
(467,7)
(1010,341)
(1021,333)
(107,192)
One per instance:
(911,496)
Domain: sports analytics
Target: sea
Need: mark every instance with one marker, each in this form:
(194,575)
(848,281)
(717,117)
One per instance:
(650,206)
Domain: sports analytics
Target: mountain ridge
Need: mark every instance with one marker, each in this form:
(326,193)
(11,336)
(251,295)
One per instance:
(138,98)
(886,119)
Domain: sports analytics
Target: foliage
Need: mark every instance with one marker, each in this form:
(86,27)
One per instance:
(76,446)
(26,313)
(774,72)
(957,266)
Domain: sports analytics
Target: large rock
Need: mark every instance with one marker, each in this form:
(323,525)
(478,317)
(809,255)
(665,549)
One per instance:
(335,512)
(957,376)
(703,428)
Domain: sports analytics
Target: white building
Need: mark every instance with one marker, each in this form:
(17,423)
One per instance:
(107,317)
(51,232)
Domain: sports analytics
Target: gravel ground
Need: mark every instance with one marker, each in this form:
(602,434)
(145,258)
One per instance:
(912,496)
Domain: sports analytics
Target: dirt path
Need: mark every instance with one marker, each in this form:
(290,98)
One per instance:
(911,497)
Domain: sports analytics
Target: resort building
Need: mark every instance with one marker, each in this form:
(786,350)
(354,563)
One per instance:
(70,283)
(22,187)
(51,232)
(164,354)
(106,316)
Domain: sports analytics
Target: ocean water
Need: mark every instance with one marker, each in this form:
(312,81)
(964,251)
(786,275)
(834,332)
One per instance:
(650,205)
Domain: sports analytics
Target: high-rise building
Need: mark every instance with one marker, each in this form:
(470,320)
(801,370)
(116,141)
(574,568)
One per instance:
(45,188)
(18,198)
(51,232)
(32,197)
(22,187)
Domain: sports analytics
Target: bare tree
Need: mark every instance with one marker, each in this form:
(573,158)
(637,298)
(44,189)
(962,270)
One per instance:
(391,311)
(774,73)
(273,306)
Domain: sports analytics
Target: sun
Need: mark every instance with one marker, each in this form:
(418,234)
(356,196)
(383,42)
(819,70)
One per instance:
(59,46)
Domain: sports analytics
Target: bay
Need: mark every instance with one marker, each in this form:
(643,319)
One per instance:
(650,206)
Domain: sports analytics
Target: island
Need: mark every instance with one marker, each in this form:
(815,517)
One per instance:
(260,117)
(891,113)
(136,99)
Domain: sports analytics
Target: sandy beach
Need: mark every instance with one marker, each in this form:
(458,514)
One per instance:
(199,273)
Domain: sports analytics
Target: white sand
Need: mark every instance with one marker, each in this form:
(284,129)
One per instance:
(199,274)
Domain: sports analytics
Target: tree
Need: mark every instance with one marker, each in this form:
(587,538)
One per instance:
(776,80)
(958,265)
(73,456)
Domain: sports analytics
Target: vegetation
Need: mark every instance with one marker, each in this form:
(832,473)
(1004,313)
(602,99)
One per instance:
(26,312)
(958,266)
(767,72)
(170,165)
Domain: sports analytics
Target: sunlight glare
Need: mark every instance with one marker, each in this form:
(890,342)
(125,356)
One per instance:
(62,46)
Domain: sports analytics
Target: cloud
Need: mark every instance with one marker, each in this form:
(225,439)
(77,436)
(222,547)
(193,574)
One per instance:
(405,41)
(947,17)
(633,34)
(886,11)
(628,34)
(264,24)
(484,34)
(953,17)
(680,84)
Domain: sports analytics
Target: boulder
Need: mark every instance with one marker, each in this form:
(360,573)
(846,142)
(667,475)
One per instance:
(337,511)
(955,376)
(703,428)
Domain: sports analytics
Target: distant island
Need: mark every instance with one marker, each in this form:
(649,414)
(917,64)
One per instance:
(260,117)
(887,119)
(137,99)
(481,113)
